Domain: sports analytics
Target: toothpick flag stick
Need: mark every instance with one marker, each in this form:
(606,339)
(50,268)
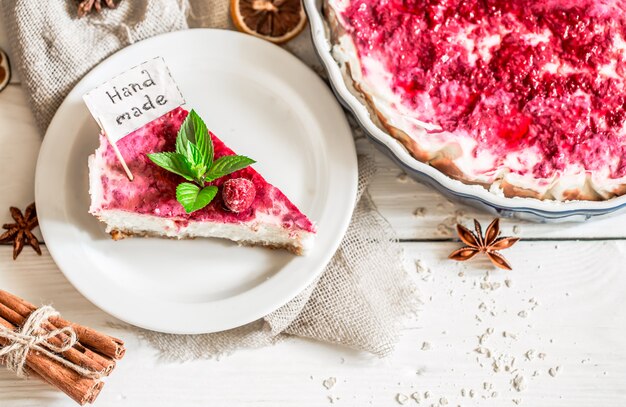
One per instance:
(116,150)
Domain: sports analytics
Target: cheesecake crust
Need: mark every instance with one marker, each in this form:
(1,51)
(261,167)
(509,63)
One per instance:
(120,234)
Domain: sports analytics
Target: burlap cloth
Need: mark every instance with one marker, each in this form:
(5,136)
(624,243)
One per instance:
(364,295)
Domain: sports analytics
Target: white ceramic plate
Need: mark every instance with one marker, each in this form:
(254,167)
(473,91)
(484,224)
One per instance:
(262,102)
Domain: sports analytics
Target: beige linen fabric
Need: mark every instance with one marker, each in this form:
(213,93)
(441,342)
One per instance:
(54,48)
(364,294)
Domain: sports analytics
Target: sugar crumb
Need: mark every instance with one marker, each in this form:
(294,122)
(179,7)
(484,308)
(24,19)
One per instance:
(329,383)
(401,398)
(519,383)
(553,371)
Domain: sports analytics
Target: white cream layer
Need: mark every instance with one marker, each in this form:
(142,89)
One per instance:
(248,232)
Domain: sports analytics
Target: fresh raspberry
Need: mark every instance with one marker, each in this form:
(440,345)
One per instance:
(238,194)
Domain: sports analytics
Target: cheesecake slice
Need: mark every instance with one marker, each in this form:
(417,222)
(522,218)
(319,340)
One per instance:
(246,209)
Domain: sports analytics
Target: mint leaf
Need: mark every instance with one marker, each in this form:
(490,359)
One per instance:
(194,131)
(173,162)
(202,139)
(227,165)
(181,142)
(182,139)
(192,198)
(194,156)
(194,161)
(187,127)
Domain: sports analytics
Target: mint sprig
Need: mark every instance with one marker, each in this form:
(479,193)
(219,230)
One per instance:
(193,160)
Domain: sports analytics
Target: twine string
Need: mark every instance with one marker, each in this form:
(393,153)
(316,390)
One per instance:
(30,338)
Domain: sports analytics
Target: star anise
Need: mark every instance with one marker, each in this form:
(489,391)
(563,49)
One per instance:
(86,6)
(488,244)
(20,232)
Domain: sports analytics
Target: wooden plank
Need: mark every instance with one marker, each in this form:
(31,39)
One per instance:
(19,146)
(579,323)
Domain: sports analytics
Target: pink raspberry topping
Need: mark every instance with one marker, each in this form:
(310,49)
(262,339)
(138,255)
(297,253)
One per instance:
(238,194)
(514,75)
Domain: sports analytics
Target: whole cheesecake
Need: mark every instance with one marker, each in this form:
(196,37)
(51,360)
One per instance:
(147,206)
(525,98)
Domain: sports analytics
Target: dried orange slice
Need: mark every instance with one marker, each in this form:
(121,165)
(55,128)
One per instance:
(277,21)
(5,70)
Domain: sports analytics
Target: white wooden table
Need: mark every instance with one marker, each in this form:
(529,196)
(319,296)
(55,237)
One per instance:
(554,328)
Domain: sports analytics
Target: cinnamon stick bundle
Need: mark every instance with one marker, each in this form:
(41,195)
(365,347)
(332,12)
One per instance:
(93,351)
(104,344)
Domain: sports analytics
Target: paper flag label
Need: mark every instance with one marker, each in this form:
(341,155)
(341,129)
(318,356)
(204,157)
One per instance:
(134,98)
